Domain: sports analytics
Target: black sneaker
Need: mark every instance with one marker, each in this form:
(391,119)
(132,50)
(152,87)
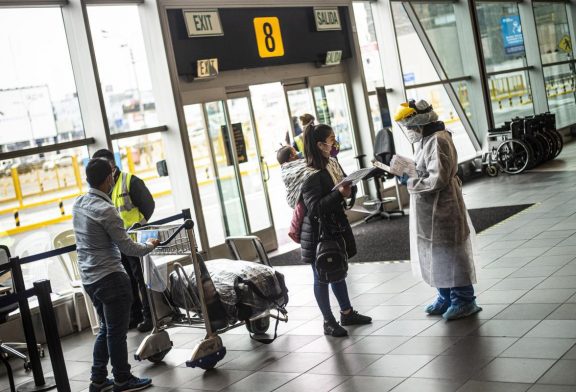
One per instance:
(354,318)
(145,326)
(332,328)
(101,387)
(133,384)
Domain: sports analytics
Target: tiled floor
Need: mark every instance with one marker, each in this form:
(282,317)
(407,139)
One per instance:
(523,340)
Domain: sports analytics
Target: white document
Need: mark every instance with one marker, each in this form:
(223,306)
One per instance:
(399,166)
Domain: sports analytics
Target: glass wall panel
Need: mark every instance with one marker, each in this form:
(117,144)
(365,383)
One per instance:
(501,34)
(122,67)
(511,96)
(437,97)
(415,69)
(368,45)
(553,32)
(138,155)
(439,23)
(34,187)
(38,98)
(561,93)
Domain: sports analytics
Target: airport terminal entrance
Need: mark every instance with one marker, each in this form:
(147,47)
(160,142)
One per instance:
(234,141)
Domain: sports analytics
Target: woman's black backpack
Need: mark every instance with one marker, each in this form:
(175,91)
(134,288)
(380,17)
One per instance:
(331,258)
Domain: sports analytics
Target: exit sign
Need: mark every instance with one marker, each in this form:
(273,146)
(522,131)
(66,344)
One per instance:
(203,23)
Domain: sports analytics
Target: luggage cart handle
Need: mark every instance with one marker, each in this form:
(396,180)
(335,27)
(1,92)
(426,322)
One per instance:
(188,225)
(231,242)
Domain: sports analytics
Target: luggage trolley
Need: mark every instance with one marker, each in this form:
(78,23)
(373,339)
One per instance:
(179,239)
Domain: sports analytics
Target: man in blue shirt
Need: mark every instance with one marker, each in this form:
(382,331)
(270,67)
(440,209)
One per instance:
(100,237)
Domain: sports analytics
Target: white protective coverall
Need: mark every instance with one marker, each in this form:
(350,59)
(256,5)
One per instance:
(441,233)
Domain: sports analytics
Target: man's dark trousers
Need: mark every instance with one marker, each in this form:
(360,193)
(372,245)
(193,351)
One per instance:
(140,308)
(112,298)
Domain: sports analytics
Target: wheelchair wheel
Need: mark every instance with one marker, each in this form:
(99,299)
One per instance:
(514,156)
(538,150)
(559,141)
(258,326)
(550,145)
(491,171)
(156,358)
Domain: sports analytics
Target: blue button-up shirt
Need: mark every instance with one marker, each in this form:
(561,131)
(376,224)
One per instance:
(100,236)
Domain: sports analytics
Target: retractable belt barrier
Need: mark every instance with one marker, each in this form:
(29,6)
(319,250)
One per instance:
(42,290)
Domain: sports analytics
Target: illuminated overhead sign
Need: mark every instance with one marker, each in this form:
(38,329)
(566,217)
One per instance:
(203,23)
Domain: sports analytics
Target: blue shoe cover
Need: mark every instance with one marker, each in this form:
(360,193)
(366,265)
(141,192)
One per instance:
(460,311)
(438,307)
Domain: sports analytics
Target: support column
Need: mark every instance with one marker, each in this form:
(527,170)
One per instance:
(532,48)
(170,113)
(473,64)
(390,60)
(86,75)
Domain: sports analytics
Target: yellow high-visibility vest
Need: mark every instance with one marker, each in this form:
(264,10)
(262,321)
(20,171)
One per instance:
(129,213)
(299,140)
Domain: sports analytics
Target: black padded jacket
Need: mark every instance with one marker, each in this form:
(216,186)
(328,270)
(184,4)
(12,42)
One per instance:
(321,201)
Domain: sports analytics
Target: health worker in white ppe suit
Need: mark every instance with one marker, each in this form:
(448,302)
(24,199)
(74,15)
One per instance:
(441,234)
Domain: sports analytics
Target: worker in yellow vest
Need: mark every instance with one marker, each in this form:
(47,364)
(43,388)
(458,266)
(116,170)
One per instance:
(306,119)
(135,204)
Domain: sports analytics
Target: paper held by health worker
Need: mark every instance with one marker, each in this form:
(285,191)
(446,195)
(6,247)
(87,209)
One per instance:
(399,166)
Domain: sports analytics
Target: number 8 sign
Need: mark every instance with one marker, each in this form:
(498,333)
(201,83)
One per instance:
(268,37)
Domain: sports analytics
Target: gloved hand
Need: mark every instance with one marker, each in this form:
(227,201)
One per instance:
(404,179)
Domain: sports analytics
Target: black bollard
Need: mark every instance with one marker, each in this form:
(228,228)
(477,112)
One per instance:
(40,383)
(43,290)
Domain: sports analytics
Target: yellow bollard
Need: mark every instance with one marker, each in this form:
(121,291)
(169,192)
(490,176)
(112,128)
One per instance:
(17,218)
(17,186)
(61,206)
(77,172)
(130,160)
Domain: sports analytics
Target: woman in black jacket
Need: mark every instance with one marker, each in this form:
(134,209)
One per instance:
(320,147)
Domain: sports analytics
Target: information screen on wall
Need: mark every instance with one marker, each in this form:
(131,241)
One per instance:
(258,37)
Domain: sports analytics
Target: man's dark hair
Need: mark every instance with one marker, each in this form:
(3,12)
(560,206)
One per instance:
(283,154)
(104,153)
(97,170)
(312,135)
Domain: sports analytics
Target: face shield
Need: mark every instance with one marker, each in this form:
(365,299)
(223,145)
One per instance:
(412,117)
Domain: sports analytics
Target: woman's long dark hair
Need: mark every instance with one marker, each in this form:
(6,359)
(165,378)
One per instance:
(312,135)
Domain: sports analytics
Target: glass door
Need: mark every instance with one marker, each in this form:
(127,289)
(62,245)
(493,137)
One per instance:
(253,171)
(332,108)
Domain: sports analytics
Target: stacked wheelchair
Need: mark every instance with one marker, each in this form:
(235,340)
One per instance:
(522,144)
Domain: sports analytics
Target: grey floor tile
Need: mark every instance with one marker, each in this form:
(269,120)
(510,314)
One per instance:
(261,381)
(552,388)
(527,252)
(388,312)
(405,327)
(316,382)
(296,362)
(564,312)
(526,312)
(554,329)
(216,380)
(372,299)
(518,370)
(495,273)
(505,244)
(562,373)
(345,364)
(461,327)
(500,297)
(571,354)
(542,348)
(450,367)
(367,329)
(489,386)
(396,365)
(547,296)
(509,328)
(376,345)
(428,385)
(480,346)
(288,343)
(555,234)
(535,271)
(254,360)
(175,377)
(425,345)
(367,384)
(517,283)
(328,344)
(559,282)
